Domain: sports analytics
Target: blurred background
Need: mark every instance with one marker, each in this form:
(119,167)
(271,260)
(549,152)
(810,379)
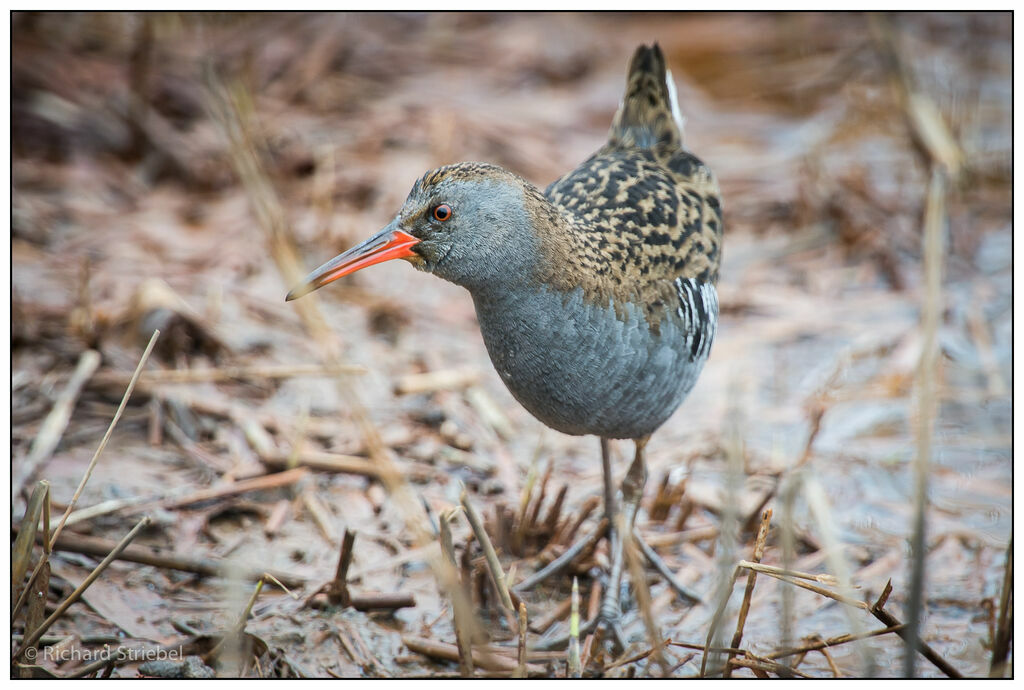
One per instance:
(179,171)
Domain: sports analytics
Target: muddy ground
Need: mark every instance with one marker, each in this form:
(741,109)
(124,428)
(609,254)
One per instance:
(179,171)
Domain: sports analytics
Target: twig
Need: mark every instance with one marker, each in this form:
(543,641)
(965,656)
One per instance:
(493,564)
(684,592)
(762,536)
(75,595)
(564,560)
(52,428)
(926,650)
(106,436)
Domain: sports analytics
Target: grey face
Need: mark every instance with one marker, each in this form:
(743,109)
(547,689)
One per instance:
(473,230)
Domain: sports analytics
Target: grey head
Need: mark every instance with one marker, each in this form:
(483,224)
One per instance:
(469,223)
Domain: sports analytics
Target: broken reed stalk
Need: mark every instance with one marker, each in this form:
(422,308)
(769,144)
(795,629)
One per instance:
(573,666)
(521,671)
(491,557)
(21,551)
(467,627)
(934,226)
(1004,623)
(75,595)
(821,578)
(53,427)
(106,436)
(741,619)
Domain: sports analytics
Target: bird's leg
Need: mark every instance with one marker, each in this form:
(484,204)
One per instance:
(609,493)
(632,491)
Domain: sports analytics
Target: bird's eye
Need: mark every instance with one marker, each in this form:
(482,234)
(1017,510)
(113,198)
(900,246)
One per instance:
(442,212)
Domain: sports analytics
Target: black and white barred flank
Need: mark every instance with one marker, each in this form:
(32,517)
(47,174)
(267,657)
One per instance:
(698,309)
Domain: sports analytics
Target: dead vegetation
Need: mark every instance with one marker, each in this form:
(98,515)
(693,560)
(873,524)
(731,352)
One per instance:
(207,481)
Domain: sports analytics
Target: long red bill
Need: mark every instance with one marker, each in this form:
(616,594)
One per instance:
(385,245)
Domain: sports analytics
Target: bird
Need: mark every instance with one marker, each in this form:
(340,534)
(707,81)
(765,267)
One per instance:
(597,297)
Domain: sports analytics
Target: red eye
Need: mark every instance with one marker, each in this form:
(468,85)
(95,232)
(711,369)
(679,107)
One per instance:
(442,212)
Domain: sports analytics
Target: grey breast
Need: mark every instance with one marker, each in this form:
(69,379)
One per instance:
(582,369)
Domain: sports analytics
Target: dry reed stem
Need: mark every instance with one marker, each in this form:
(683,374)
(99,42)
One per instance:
(231,637)
(727,571)
(220,374)
(94,546)
(320,514)
(741,619)
(817,502)
(77,593)
(934,225)
(521,671)
(264,483)
(466,627)
(1004,625)
(821,578)
(491,557)
(433,381)
(643,597)
(482,658)
(832,642)
(106,436)
(53,427)
(21,551)
(490,412)
(819,590)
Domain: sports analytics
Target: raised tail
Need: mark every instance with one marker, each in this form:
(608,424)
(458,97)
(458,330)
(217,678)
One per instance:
(649,113)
